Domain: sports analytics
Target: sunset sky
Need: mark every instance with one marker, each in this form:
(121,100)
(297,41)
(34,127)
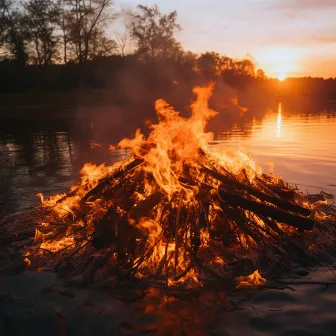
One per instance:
(285,37)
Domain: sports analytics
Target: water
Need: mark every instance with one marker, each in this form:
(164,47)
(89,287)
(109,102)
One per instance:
(47,157)
(299,148)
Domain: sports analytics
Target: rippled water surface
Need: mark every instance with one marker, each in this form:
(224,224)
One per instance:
(301,149)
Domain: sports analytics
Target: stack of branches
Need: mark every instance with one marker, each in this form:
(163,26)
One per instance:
(231,226)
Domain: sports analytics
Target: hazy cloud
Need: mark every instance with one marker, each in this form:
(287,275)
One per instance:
(300,38)
(329,37)
(304,4)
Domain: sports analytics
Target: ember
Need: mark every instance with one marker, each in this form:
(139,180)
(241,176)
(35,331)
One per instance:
(254,279)
(176,213)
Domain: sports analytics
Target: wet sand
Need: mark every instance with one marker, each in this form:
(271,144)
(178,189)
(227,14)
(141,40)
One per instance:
(33,303)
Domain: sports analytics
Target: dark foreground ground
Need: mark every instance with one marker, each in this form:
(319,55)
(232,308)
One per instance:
(34,303)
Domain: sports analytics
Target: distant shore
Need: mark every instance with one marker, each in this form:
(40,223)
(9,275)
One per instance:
(52,105)
(83,104)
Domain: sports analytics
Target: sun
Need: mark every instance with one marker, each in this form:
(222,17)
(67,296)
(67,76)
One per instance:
(282,76)
(279,62)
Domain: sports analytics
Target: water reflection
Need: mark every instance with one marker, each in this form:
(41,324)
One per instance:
(301,147)
(36,159)
(279,120)
(41,161)
(190,312)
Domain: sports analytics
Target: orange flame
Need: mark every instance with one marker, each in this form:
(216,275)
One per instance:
(174,143)
(177,140)
(254,279)
(57,245)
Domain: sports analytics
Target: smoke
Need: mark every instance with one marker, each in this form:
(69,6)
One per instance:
(106,116)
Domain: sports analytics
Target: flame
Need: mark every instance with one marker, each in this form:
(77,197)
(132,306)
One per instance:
(254,279)
(237,161)
(91,174)
(174,144)
(27,261)
(52,201)
(58,245)
(177,140)
(39,236)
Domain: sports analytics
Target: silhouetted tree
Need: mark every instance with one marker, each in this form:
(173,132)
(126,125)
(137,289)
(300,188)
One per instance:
(14,32)
(208,65)
(43,17)
(226,64)
(85,22)
(153,33)
(244,67)
(63,22)
(123,43)
(261,74)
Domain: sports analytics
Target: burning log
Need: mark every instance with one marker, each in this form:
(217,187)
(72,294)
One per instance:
(108,180)
(250,190)
(175,213)
(146,205)
(279,215)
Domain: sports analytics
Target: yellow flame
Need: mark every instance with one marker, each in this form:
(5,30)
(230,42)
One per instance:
(175,140)
(57,245)
(173,144)
(254,279)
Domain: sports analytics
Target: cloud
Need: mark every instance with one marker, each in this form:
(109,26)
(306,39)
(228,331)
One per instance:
(300,38)
(329,37)
(303,4)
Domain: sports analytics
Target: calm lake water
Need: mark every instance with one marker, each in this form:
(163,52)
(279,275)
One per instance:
(47,158)
(299,148)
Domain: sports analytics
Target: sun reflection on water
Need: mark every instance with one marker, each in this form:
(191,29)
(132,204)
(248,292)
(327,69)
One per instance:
(279,121)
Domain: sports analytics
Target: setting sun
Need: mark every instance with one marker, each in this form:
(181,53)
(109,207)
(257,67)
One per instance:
(279,62)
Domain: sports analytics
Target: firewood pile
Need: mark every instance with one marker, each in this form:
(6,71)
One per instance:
(175,213)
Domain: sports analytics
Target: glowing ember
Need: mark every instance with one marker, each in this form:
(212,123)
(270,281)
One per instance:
(27,261)
(57,245)
(254,279)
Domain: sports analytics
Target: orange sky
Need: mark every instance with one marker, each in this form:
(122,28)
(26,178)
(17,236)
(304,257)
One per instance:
(285,37)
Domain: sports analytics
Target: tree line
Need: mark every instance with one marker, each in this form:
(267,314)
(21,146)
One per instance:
(46,32)
(70,44)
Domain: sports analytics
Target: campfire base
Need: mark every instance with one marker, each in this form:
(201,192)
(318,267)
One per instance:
(257,225)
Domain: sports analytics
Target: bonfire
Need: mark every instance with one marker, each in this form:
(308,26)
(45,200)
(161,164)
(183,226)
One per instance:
(175,213)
